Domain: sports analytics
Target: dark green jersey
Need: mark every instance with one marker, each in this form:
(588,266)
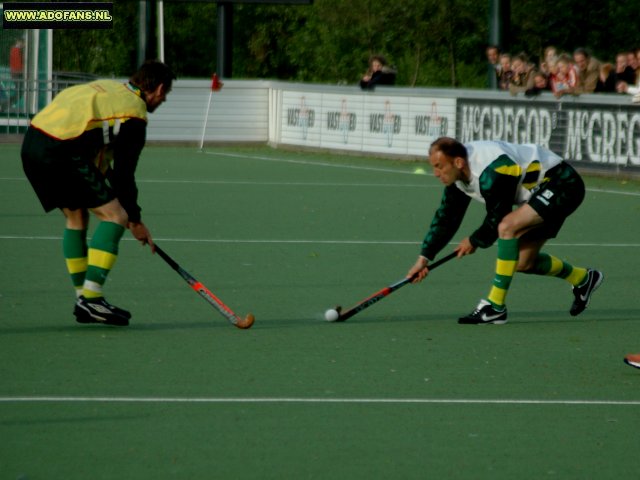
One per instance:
(502,175)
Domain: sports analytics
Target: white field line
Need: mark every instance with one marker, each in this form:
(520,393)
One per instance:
(614,192)
(373,169)
(310,241)
(314,164)
(322,184)
(312,400)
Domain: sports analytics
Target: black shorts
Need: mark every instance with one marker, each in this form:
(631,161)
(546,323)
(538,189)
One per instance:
(558,196)
(62,173)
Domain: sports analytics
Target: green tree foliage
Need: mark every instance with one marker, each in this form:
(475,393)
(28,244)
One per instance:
(102,52)
(437,43)
(190,37)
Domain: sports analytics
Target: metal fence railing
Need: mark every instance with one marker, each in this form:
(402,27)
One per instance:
(21,99)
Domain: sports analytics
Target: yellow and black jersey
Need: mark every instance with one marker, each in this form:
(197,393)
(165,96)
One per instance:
(106,121)
(102,104)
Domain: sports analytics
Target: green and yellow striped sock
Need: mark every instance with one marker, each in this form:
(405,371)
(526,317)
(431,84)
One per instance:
(554,267)
(103,252)
(505,269)
(74,247)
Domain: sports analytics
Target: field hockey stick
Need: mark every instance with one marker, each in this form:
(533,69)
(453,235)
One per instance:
(205,293)
(386,291)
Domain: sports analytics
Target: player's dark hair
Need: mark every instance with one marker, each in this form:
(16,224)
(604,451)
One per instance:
(151,74)
(450,147)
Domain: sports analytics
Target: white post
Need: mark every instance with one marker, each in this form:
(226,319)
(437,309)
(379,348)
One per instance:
(160,15)
(206,117)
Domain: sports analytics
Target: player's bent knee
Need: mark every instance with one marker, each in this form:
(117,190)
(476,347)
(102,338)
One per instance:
(506,229)
(76,219)
(525,266)
(112,212)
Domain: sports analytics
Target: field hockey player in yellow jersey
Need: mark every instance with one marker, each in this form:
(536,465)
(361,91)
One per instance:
(80,154)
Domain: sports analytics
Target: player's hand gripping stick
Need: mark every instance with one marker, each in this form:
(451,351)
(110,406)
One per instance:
(337,315)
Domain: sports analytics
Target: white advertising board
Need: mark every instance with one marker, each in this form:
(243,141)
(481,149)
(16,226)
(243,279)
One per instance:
(369,123)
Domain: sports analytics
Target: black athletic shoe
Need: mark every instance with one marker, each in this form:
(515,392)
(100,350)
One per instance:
(583,292)
(98,310)
(485,314)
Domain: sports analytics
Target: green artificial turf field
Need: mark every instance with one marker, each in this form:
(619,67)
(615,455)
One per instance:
(399,391)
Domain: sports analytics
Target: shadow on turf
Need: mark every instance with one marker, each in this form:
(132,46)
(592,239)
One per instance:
(515,317)
(73,327)
(548,316)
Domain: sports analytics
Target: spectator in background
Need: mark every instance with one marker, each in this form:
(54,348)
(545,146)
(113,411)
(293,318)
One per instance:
(550,59)
(493,56)
(16,60)
(379,73)
(565,79)
(632,88)
(540,84)
(624,72)
(523,72)
(623,87)
(504,80)
(627,78)
(494,65)
(607,79)
(551,70)
(632,61)
(16,67)
(588,69)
